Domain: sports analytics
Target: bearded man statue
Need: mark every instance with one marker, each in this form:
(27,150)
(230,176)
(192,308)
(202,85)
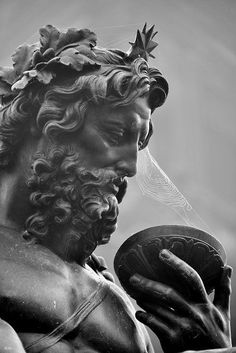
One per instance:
(73,119)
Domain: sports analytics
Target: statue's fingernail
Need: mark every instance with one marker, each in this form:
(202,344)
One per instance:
(134,279)
(141,316)
(165,254)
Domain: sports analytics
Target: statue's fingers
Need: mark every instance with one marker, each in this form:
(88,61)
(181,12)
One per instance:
(167,315)
(157,326)
(223,291)
(160,294)
(185,273)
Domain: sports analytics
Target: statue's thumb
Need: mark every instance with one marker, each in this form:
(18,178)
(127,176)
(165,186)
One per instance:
(223,291)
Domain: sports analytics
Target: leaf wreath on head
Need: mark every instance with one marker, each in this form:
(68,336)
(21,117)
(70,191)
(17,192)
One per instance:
(73,50)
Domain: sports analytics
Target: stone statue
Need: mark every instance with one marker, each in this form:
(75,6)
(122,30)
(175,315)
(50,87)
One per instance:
(73,119)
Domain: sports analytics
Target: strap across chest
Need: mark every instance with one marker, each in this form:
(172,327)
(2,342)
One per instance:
(81,312)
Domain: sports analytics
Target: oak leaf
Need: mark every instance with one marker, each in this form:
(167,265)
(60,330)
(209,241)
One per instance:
(22,58)
(49,37)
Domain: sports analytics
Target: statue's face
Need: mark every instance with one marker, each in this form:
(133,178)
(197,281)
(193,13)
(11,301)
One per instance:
(83,173)
(108,142)
(111,137)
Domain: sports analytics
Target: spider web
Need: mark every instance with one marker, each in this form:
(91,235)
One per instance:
(154,183)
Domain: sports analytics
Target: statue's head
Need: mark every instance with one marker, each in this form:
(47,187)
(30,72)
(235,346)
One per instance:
(80,114)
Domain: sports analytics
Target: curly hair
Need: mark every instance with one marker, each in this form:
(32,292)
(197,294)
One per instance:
(60,106)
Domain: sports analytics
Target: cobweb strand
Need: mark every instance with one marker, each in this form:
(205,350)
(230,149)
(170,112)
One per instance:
(154,183)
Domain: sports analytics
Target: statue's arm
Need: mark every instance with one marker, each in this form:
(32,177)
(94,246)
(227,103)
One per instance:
(9,340)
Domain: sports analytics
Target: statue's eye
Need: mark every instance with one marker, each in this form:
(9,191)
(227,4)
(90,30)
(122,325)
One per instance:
(115,137)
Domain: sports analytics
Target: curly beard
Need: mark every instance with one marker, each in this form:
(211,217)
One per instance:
(68,198)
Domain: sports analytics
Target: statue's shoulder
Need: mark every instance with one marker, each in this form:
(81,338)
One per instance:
(34,279)
(21,261)
(36,265)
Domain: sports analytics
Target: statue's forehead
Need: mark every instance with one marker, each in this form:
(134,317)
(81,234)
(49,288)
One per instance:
(130,117)
(139,108)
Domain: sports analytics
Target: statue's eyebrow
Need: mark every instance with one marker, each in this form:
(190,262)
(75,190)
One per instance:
(114,124)
(130,124)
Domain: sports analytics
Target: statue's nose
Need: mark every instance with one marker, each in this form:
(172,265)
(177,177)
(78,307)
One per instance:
(127,166)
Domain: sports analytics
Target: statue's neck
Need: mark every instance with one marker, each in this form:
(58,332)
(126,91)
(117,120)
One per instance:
(70,247)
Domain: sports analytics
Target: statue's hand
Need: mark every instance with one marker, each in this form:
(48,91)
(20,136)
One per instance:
(179,322)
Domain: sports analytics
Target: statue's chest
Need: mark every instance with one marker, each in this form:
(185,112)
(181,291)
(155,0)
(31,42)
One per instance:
(111,326)
(33,299)
(95,312)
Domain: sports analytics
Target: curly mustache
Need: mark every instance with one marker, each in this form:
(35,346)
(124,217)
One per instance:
(69,197)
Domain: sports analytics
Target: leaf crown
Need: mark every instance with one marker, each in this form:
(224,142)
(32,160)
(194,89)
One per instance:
(58,51)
